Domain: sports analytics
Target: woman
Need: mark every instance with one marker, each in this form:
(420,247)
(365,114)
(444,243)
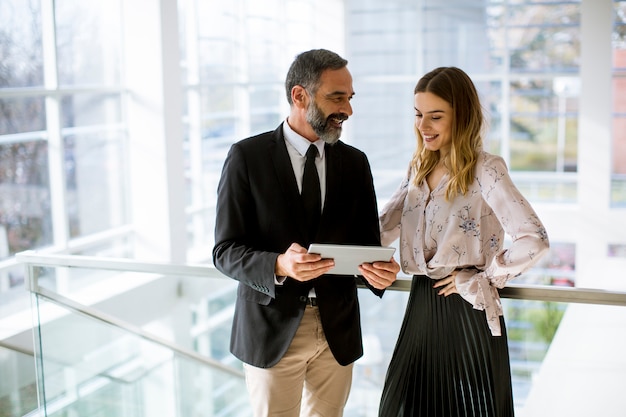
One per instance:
(450,215)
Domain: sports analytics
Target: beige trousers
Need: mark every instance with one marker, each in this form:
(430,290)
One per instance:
(307,382)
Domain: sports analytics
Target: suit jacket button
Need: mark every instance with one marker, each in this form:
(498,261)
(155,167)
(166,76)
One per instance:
(303,299)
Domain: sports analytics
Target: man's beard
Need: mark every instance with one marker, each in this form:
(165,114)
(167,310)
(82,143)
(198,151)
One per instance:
(322,125)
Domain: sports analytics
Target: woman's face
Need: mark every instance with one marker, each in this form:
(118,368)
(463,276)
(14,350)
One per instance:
(433,119)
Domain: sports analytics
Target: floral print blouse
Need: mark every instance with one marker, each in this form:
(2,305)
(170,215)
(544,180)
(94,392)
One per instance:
(437,236)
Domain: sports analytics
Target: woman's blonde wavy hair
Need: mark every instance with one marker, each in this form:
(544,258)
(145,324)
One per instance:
(454,86)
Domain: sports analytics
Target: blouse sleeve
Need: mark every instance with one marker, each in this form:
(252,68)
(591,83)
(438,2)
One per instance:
(521,223)
(391,214)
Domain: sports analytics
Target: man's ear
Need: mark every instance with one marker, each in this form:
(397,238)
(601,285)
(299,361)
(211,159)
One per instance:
(299,96)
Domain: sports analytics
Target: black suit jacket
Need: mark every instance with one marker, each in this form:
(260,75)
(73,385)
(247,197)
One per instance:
(259,215)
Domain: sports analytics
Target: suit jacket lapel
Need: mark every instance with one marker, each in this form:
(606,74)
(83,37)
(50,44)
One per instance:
(286,177)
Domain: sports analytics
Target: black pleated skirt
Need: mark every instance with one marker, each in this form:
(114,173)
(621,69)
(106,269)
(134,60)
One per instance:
(446,363)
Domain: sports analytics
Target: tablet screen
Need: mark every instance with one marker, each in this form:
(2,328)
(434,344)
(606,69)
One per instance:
(349,257)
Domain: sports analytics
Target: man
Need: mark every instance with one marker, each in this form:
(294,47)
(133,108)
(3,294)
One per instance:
(296,328)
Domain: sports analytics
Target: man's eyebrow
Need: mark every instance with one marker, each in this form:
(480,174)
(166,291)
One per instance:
(339,93)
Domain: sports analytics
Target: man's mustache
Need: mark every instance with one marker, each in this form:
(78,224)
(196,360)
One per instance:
(338,116)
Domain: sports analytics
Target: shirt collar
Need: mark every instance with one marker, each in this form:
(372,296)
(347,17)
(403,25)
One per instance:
(300,142)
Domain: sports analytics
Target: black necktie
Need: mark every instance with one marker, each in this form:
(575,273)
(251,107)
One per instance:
(311,194)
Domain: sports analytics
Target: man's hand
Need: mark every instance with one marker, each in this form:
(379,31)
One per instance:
(380,275)
(300,265)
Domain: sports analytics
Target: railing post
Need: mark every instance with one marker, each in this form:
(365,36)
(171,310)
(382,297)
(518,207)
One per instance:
(30,279)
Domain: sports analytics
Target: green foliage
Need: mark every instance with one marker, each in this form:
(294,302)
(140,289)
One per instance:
(546,321)
(543,317)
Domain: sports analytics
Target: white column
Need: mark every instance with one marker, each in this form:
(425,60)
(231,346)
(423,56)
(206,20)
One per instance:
(155,127)
(594,140)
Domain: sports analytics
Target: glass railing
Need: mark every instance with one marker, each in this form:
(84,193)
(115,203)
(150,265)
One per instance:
(117,337)
(89,366)
(112,339)
(18,390)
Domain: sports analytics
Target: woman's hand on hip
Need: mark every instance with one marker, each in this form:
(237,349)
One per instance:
(447,285)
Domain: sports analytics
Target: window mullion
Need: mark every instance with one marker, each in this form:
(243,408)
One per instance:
(56,168)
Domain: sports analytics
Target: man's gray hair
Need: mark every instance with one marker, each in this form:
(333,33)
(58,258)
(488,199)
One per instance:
(306,70)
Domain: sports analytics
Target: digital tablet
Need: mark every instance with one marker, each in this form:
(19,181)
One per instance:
(349,257)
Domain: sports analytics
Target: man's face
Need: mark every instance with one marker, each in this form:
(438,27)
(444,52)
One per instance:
(330,106)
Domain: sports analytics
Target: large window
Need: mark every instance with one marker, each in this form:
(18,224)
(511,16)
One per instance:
(523,56)
(62,137)
(25,217)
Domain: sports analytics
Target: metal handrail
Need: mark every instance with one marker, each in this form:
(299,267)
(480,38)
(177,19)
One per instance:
(512,290)
(547,293)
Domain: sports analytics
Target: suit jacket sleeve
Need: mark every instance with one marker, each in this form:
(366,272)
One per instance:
(234,253)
